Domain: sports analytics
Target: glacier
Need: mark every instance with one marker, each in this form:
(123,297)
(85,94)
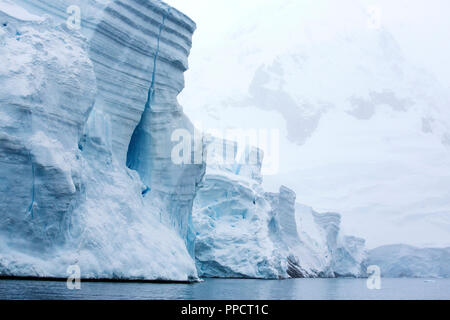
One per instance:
(244,232)
(347,99)
(397,261)
(71,102)
(86,173)
(325,249)
(230,217)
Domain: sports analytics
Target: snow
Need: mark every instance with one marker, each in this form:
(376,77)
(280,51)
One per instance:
(412,262)
(86,169)
(17,12)
(68,114)
(363,112)
(244,232)
(231,221)
(324,249)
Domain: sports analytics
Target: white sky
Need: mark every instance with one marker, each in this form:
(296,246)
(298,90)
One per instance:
(422,27)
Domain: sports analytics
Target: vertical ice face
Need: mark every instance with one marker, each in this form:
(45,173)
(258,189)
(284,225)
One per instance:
(350,256)
(139,50)
(38,171)
(283,229)
(227,156)
(138,155)
(243,231)
(324,250)
(71,106)
(231,223)
(231,219)
(148,45)
(283,210)
(86,160)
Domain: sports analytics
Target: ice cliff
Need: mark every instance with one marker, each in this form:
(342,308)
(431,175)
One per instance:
(231,218)
(326,250)
(86,174)
(410,262)
(243,231)
(86,117)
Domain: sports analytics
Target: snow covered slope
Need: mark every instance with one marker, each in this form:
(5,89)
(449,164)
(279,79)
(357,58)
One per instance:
(407,261)
(75,114)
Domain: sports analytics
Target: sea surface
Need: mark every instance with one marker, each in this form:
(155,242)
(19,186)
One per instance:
(229,289)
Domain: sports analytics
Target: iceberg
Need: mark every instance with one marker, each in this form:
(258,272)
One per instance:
(230,218)
(244,232)
(71,103)
(86,167)
(325,251)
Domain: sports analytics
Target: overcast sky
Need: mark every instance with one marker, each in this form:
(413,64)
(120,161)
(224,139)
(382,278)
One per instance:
(422,27)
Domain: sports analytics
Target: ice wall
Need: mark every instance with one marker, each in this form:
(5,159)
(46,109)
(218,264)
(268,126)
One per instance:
(87,175)
(71,103)
(139,50)
(324,251)
(38,164)
(283,229)
(245,232)
(231,218)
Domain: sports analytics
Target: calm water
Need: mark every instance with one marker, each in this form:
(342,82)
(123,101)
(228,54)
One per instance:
(298,289)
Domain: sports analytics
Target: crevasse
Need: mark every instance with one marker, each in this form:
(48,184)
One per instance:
(30,210)
(95,92)
(138,155)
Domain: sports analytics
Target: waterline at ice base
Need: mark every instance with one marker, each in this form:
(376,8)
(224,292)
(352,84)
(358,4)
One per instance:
(101,168)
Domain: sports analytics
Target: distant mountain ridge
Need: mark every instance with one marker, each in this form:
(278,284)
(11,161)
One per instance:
(404,261)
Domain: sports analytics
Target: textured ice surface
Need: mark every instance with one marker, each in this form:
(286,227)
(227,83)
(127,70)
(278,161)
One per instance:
(244,232)
(324,249)
(231,220)
(407,261)
(70,105)
(85,164)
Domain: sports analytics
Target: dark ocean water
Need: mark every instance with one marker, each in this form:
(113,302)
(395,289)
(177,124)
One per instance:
(211,289)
